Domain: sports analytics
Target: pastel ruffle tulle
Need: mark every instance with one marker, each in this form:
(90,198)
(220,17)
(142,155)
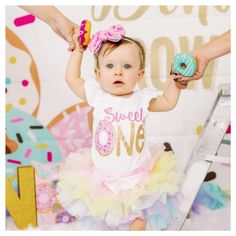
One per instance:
(149,195)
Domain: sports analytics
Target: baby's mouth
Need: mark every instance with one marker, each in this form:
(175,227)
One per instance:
(118,82)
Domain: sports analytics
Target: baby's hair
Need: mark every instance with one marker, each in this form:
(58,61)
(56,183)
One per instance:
(113,45)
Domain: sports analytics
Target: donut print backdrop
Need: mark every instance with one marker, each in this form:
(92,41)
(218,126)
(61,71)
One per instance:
(45,121)
(32,143)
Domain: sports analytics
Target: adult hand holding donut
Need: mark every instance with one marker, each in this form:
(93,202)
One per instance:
(84,36)
(183,65)
(81,36)
(77,45)
(203,55)
(202,63)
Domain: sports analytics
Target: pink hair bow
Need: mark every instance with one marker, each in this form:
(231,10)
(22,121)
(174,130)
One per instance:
(114,34)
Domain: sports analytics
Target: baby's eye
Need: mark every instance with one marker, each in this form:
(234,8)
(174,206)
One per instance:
(127,66)
(109,65)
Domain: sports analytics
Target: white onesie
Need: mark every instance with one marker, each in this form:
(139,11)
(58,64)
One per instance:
(119,145)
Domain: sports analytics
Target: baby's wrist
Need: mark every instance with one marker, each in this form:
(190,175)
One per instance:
(77,51)
(179,85)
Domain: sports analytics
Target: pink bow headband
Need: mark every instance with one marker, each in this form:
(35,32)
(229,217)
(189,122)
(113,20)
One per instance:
(114,34)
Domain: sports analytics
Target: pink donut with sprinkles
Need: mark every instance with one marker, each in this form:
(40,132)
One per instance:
(46,196)
(106,127)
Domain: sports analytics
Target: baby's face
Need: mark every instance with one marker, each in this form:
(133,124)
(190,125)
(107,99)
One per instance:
(119,69)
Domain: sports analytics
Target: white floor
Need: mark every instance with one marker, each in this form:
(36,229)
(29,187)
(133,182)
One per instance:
(207,220)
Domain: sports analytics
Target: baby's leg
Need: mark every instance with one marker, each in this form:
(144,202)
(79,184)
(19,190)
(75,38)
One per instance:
(138,224)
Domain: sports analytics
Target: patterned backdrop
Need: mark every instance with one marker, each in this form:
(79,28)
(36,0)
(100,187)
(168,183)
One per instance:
(45,121)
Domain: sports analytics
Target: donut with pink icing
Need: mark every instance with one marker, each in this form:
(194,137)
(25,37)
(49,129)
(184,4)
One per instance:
(46,196)
(105,148)
(72,128)
(85,30)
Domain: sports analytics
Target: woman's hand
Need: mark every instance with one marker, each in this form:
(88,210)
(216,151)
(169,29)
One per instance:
(65,29)
(209,51)
(202,62)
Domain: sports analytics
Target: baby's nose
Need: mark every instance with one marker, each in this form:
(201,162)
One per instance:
(118,71)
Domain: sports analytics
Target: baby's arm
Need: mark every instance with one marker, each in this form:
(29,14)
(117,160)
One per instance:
(73,71)
(168,100)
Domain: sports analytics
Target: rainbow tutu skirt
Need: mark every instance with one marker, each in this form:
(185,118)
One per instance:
(150,193)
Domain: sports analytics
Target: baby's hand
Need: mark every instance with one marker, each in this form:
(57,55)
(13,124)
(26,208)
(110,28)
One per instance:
(76,41)
(182,84)
(178,82)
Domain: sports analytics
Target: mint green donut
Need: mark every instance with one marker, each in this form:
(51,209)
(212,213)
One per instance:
(184,64)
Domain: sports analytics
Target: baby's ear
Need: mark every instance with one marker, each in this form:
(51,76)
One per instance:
(97,73)
(141,73)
